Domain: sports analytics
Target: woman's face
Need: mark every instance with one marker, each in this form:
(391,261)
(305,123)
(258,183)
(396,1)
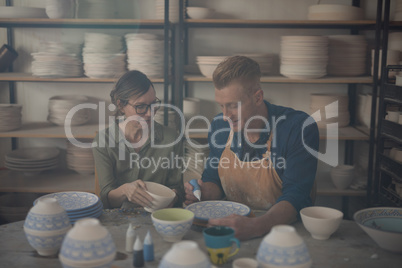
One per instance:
(139,102)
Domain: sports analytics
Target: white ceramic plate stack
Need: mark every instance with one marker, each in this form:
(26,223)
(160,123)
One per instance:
(195,157)
(173,10)
(264,60)
(173,118)
(145,54)
(395,42)
(57,59)
(102,55)
(79,159)
(10,116)
(78,205)
(338,114)
(335,12)
(22,12)
(304,57)
(95,9)
(347,55)
(32,161)
(207,64)
(59,106)
(398,11)
(392,59)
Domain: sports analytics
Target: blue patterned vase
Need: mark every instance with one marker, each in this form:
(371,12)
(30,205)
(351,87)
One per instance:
(46,225)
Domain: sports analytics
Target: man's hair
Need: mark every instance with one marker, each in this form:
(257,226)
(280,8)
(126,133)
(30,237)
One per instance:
(237,68)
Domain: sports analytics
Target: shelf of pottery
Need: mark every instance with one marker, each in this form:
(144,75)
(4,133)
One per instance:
(314,57)
(98,58)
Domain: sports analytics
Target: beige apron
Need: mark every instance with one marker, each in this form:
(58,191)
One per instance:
(255,184)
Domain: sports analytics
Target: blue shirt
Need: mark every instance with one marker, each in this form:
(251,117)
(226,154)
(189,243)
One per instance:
(294,164)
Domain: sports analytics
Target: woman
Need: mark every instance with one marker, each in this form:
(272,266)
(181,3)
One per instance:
(135,148)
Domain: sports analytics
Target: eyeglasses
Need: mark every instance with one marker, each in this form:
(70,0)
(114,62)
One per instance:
(143,108)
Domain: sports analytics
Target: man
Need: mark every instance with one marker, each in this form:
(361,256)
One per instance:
(258,153)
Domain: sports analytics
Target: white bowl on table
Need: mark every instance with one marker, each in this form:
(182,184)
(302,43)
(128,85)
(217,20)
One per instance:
(161,194)
(199,12)
(321,222)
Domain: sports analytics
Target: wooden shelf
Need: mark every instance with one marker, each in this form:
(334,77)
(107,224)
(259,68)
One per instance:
(282,79)
(48,130)
(346,133)
(325,187)
(279,23)
(81,23)
(46,182)
(26,77)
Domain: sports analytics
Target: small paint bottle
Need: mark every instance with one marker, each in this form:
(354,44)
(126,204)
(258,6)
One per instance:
(138,253)
(130,236)
(148,247)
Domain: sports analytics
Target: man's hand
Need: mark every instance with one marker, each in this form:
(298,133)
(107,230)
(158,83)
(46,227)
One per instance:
(135,193)
(190,197)
(243,226)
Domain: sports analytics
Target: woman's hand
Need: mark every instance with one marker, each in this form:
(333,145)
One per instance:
(243,226)
(135,193)
(190,197)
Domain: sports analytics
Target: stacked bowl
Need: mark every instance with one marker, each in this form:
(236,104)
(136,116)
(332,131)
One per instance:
(335,12)
(78,205)
(102,55)
(173,10)
(335,107)
(65,108)
(145,54)
(10,117)
(199,13)
(207,64)
(342,176)
(32,161)
(80,159)
(347,55)
(95,9)
(304,57)
(57,59)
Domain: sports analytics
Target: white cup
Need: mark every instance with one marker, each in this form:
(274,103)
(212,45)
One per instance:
(245,263)
(393,116)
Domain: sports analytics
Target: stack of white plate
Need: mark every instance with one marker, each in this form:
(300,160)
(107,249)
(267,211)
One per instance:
(173,118)
(395,42)
(207,64)
(392,59)
(145,54)
(195,157)
(102,55)
(78,205)
(335,12)
(57,59)
(173,10)
(10,116)
(96,9)
(32,161)
(60,106)
(347,55)
(329,112)
(398,11)
(22,12)
(264,60)
(304,57)
(80,159)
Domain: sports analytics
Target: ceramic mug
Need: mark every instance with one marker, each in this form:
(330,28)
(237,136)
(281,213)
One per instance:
(220,241)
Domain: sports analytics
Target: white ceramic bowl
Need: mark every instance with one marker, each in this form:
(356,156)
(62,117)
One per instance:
(172,223)
(321,222)
(207,70)
(383,225)
(199,12)
(161,194)
(185,254)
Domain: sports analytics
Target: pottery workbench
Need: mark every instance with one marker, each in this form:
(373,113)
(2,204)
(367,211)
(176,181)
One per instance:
(349,246)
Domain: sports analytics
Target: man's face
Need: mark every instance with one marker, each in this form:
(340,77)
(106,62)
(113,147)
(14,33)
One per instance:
(237,105)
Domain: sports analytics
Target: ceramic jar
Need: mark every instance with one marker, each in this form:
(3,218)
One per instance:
(185,254)
(284,248)
(87,244)
(46,225)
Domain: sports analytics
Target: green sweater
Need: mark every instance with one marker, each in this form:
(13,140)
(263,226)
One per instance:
(117,162)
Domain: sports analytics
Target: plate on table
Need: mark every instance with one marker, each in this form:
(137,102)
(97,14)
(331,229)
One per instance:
(206,210)
(74,201)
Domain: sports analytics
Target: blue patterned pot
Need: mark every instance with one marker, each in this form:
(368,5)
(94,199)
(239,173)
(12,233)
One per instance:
(283,248)
(87,244)
(46,225)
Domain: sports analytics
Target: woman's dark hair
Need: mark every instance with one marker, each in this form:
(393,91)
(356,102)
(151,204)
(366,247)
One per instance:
(132,83)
